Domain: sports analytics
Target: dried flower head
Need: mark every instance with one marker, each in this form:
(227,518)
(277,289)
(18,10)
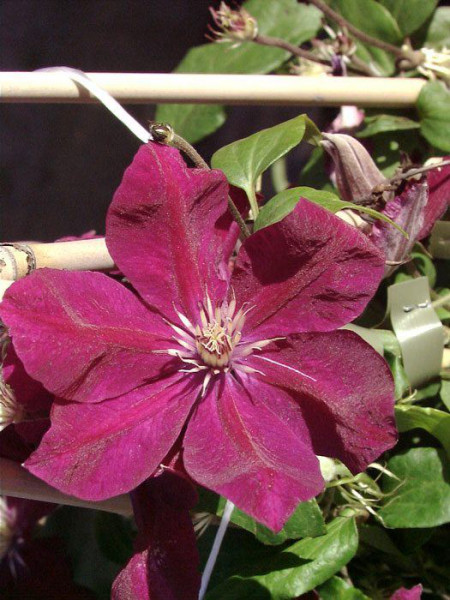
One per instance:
(436,65)
(233,25)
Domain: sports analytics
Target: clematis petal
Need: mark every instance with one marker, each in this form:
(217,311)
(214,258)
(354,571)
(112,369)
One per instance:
(165,564)
(344,389)
(95,451)
(84,336)
(309,272)
(249,443)
(439,197)
(161,230)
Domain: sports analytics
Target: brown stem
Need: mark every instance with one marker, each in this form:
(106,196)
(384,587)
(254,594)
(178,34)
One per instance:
(265,40)
(412,58)
(419,171)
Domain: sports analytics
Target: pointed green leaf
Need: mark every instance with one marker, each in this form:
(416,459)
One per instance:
(436,422)
(245,160)
(433,106)
(295,570)
(338,589)
(283,203)
(438,31)
(287,19)
(307,521)
(410,14)
(381,123)
(422,499)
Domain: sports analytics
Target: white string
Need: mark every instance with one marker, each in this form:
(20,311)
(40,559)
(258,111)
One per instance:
(229,506)
(105,98)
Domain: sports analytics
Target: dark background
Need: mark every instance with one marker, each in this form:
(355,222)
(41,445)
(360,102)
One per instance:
(60,164)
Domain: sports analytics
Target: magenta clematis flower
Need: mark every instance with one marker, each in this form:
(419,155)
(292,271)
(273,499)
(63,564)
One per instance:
(244,370)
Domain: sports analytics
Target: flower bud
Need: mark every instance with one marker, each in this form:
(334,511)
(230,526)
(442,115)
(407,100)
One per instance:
(356,173)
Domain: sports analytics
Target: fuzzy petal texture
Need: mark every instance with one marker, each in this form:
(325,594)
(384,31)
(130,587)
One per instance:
(96,451)
(249,443)
(165,565)
(161,230)
(27,391)
(349,408)
(309,272)
(84,336)
(439,197)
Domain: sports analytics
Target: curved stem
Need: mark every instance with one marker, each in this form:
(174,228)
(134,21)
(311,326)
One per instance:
(364,37)
(419,171)
(265,40)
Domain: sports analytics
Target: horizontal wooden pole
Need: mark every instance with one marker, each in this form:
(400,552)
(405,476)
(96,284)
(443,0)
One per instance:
(138,88)
(17,482)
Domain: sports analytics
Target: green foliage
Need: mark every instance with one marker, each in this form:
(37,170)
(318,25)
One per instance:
(422,499)
(374,19)
(287,19)
(295,570)
(410,14)
(338,589)
(433,107)
(380,123)
(438,31)
(245,160)
(436,422)
(283,203)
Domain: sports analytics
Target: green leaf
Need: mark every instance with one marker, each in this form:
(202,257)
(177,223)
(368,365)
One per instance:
(433,106)
(423,497)
(372,18)
(296,569)
(410,14)
(381,123)
(445,393)
(245,160)
(401,381)
(294,22)
(438,33)
(338,589)
(307,521)
(436,422)
(442,312)
(283,203)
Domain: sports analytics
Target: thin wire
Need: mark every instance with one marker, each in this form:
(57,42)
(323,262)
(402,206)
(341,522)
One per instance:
(105,98)
(229,506)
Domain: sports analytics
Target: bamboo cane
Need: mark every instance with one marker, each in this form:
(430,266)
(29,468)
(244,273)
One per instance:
(136,88)
(18,482)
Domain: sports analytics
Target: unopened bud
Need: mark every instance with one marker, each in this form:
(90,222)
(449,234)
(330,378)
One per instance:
(233,25)
(356,173)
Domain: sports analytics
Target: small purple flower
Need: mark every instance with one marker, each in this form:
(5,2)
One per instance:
(244,371)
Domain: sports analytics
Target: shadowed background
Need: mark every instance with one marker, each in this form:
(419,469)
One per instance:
(60,164)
